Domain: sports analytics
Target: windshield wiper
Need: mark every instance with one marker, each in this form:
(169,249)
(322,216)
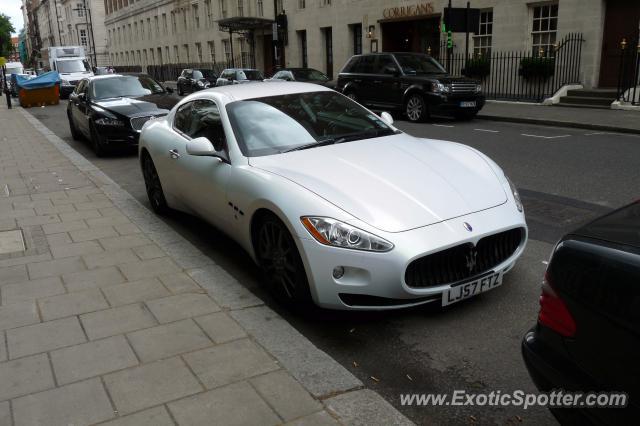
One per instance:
(321,142)
(367,134)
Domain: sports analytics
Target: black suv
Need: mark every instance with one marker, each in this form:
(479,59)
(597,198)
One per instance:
(192,80)
(414,83)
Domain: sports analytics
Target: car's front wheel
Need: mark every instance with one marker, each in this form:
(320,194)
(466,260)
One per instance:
(281,263)
(153,186)
(416,108)
(97,145)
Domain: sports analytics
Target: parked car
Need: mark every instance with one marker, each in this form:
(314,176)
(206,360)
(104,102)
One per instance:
(239,75)
(307,180)
(305,75)
(413,83)
(110,110)
(192,80)
(587,337)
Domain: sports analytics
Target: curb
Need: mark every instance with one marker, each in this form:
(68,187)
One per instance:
(322,376)
(555,123)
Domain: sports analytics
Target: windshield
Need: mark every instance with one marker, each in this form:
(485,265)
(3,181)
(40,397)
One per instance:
(272,125)
(198,74)
(124,86)
(14,70)
(309,75)
(250,75)
(73,65)
(419,64)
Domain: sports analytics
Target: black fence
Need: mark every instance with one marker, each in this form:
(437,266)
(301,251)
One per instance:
(127,68)
(629,73)
(521,75)
(170,72)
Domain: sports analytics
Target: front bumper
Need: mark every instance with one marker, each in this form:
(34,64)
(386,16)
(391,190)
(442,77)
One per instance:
(451,103)
(113,136)
(376,281)
(66,90)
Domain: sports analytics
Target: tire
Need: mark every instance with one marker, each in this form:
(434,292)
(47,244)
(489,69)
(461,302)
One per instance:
(416,108)
(179,90)
(97,146)
(351,95)
(281,264)
(153,186)
(72,128)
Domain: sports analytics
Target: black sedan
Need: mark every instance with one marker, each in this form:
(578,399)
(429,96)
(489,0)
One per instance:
(110,110)
(192,80)
(587,337)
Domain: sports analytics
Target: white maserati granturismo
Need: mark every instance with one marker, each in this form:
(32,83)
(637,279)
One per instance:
(334,203)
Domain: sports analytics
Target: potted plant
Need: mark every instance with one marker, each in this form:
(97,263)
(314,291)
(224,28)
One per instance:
(537,68)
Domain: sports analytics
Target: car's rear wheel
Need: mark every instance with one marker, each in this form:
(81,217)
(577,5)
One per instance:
(72,128)
(416,108)
(153,186)
(96,144)
(281,263)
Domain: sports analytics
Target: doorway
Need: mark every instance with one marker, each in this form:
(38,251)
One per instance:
(622,20)
(416,35)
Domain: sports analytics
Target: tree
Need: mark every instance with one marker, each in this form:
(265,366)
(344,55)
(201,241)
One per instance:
(6,29)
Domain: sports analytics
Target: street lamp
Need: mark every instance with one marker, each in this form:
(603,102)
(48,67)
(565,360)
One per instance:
(87,12)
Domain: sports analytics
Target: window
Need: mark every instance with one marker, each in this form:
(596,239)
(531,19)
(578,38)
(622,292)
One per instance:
(184,20)
(83,37)
(245,57)
(326,2)
(223,8)
(165,29)
(302,4)
(302,40)
(356,30)
(142,29)
(328,50)
(152,56)
(199,51)
(146,58)
(166,53)
(139,57)
(207,13)
(259,8)
(157,25)
(240,7)
(149,27)
(483,40)
(182,120)
(196,15)
(279,6)
(176,53)
(545,27)
(204,121)
(186,51)
(226,48)
(212,51)
(173,22)
(80,10)
(135,29)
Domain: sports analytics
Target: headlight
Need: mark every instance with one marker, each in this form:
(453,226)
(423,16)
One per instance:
(338,234)
(200,84)
(439,88)
(516,195)
(106,121)
(478,88)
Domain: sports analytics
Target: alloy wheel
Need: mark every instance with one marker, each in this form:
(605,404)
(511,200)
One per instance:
(153,186)
(415,108)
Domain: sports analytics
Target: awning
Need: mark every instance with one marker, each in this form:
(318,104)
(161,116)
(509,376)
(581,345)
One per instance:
(244,24)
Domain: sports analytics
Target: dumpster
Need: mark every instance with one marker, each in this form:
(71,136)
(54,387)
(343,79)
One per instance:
(39,91)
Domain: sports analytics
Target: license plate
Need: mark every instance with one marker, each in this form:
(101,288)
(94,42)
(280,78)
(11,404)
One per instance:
(471,288)
(470,104)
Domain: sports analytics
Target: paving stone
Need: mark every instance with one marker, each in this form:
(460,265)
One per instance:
(13,274)
(321,418)
(78,215)
(92,233)
(18,314)
(180,283)
(151,384)
(5,414)
(365,407)
(92,359)
(31,290)
(75,249)
(77,404)
(93,205)
(168,340)
(110,258)
(150,251)
(24,376)
(182,306)
(37,220)
(149,268)
(127,229)
(124,241)
(221,407)
(107,221)
(75,303)
(58,239)
(17,214)
(223,288)
(157,416)
(220,327)
(116,321)
(285,395)
(23,260)
(229,362)
(138,291)
(55,267)
(44,210)
(44,337)
(56,228)
(93,279)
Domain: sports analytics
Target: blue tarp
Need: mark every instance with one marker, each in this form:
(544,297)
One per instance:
(48,79)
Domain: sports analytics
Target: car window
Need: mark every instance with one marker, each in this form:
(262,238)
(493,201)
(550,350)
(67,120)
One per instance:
(205,121)
(81,87)
(385,64)
(182,119)
(197,75)
(366,65)
(309,74)
(125,86)
(279,74)
(351,65)
(412,64)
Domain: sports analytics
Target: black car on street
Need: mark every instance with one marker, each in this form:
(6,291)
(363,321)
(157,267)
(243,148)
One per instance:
(191,80)
(413,83)
(587,338)
(306,75)
(110,110)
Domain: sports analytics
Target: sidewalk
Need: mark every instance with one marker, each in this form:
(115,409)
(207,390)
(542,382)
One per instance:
(109,316)
(608,120)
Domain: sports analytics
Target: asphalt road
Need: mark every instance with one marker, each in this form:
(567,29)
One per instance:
(566,176)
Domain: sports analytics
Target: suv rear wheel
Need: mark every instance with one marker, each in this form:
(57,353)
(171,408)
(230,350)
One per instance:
(416,108)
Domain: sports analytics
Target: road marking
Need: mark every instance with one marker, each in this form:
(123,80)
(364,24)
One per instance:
(442,125)
(596,133)
(545,137)
(487,130)
(6,190)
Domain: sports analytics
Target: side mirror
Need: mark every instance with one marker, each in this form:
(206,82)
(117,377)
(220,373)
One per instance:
(81,96)
(387,118)
(169,89)
(202,147)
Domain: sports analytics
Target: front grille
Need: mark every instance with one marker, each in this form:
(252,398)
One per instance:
(465,87)
(463,261)
(138,122)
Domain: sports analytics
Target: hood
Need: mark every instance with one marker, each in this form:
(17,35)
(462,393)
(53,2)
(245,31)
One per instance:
(130,107)
(394,183)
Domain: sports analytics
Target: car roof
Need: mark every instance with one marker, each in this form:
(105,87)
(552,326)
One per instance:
(239,92)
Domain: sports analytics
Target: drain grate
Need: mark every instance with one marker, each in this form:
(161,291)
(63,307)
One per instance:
(11,241)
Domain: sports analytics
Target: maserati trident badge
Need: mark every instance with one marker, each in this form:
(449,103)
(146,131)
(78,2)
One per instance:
(467,227)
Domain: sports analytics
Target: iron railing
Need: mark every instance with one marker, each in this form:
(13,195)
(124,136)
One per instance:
(521,75)
(629,73)
(170,72)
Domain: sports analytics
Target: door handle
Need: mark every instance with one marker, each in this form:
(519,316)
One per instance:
(174,154)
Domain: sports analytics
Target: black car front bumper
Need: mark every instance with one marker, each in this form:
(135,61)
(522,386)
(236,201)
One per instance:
(453,103)
(117,136)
